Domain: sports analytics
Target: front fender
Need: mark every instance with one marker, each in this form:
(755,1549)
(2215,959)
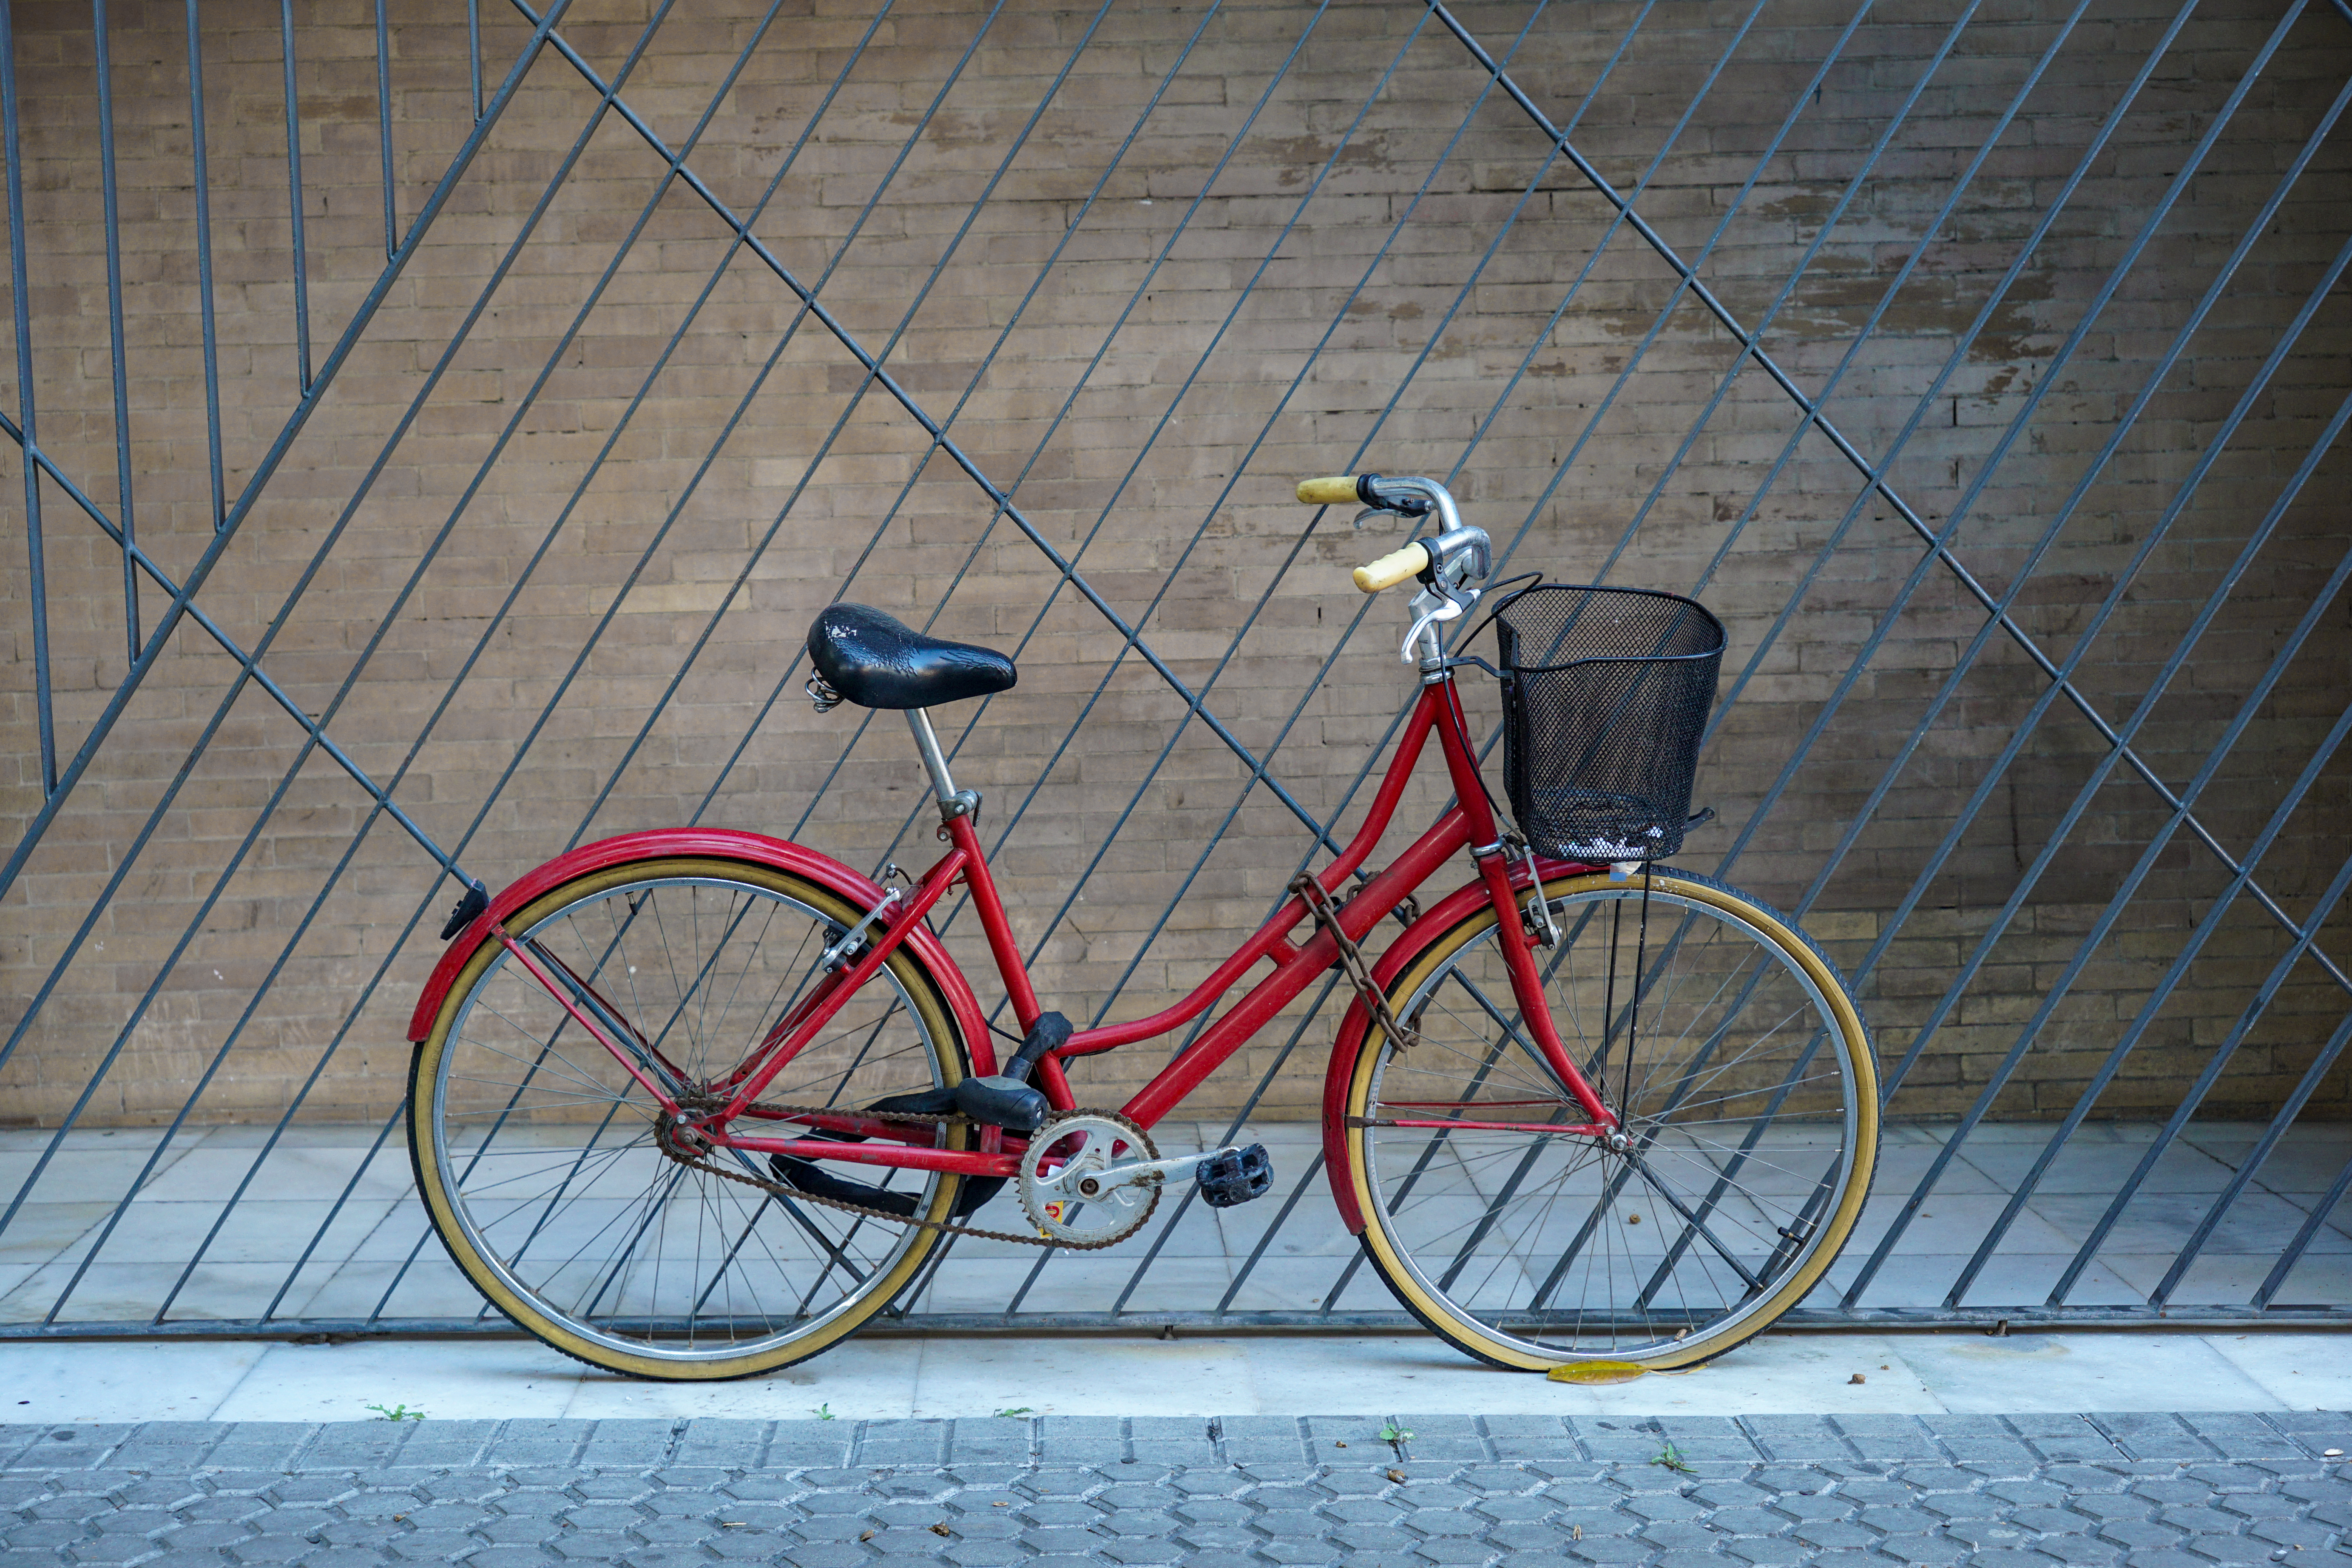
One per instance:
(753,849)
(1448,913)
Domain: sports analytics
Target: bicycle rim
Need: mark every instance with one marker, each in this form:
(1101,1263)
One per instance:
(1743,1074)
(536,1150)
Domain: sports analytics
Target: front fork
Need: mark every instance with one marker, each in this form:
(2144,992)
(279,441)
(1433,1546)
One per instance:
(1494,863)
(1528,991)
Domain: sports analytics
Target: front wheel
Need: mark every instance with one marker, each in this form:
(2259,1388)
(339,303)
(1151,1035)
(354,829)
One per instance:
(1729,1047)
(540,1157)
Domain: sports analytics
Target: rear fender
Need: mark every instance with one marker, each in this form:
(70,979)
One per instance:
(1448,913)
(752,849)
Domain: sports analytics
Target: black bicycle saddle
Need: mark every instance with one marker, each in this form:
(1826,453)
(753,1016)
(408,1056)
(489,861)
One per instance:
(875,662)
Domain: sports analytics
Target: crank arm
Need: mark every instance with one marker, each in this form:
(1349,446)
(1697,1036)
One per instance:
(1146,1172)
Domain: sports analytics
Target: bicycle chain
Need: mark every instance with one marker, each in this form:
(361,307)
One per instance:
(1317,900)
(782,1190)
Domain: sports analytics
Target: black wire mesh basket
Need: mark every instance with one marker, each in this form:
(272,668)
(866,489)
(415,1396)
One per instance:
(1605,694)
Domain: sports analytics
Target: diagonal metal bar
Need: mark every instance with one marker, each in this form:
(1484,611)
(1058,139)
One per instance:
(2093,940)
(183,603)
(660,705)
(2092,1093)
(1729,376)
(2320,1211)
(1070,232)
(1136,297)
(2223,1055)
(489,631)
(2289,1110)
(1894,771)
(2114,597)
(2000,620)
(914,410)
(2058,835)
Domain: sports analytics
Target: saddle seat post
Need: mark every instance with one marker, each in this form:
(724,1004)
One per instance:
(959,808)
(953,802)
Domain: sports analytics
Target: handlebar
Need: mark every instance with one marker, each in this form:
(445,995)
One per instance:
(1458,555)
(1394,568)
(1337,490)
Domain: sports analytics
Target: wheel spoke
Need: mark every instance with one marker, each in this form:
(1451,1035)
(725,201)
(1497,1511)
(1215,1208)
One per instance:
(546,1173)
(1738,1094)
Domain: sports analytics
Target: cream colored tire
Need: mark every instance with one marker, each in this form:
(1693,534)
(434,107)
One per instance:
(1751,1107)
(534,1150)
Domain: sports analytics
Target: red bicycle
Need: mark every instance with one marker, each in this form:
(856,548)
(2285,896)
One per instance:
(698,1104)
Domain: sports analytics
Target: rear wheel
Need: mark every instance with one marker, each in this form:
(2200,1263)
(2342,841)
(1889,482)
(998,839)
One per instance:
(1739,1065)
(536,1152)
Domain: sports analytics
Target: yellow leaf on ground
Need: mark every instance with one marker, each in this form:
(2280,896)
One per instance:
(1596,1374)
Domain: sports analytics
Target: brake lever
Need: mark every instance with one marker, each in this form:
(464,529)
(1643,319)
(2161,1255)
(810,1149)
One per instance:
(1432,606)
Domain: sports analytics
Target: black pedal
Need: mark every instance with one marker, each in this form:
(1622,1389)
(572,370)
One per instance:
(1235,1177)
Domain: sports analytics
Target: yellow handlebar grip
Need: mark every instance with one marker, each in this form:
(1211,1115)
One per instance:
(1392,568)
(1337,490)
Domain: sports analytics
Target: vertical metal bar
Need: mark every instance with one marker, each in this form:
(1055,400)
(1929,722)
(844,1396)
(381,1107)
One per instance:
(384,125)
(392,951)
(109,189)
(182,602)
(294,188)
(35,555)
(384,803)
(474,51)
(204,179)
(37,828)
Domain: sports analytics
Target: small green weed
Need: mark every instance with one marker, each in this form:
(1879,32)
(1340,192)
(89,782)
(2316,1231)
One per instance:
(1671,1458)
(396,1413)
(1018,1410)
(1396,1437)
(823,1412)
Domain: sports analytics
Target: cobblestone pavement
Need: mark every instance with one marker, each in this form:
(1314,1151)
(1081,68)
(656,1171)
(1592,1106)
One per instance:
(1942,1491)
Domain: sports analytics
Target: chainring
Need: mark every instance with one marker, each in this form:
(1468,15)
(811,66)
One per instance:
(1069,1206)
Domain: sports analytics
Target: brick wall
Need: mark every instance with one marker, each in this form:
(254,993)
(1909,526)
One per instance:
(567,598)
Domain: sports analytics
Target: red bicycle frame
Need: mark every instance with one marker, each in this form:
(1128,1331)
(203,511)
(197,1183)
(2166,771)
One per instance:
(1469,824)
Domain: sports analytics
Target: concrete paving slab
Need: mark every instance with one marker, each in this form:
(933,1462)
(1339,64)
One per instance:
(101,1380)
(2288,1371)
(1974,1372)
(484,1379)
(966,1377)
(899,1377)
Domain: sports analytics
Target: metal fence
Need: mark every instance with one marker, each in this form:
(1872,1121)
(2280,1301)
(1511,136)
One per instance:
(2232,1218)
